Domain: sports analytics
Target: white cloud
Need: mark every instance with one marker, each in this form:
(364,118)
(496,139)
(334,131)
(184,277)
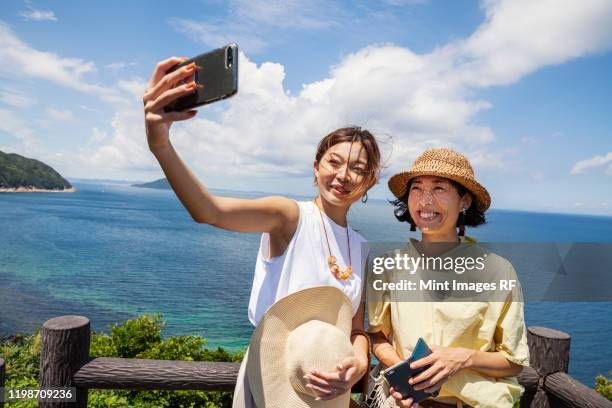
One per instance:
(218,34)
(33,14)
(421,100)
(520,36)
(90,109)
(126,149)
(488,159)
(254,24)
(118,66)
(266,131)
(29,62)
(11,124)
(528,140)
(293,14)
(59,115)
(119,153)
(15,98)
(399,3)
(135,87)
(596,161)
(98,135)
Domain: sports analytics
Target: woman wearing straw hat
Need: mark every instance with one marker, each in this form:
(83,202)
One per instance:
(303,244)
(478,347)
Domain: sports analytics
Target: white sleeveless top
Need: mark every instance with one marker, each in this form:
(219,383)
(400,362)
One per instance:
(304,263)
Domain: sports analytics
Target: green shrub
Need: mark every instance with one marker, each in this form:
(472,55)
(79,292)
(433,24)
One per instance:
(137,338)
(22,361)
(603,386)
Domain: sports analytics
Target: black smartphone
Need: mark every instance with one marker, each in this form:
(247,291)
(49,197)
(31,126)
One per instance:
(398,375)
(216,77)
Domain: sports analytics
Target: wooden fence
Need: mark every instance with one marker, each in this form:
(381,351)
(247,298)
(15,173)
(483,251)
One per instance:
(65,362)
(1,378)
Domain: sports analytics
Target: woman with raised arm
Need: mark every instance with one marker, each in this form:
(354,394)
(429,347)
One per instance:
(479,346)
(303,244)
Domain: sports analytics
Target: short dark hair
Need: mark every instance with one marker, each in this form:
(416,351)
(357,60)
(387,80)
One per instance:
(473,217)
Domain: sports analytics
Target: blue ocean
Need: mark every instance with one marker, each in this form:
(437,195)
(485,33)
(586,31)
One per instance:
(112,252)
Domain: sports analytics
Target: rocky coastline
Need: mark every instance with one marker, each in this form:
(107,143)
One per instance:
(36,190)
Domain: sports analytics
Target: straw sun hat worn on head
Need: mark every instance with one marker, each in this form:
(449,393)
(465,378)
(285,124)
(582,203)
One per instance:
(306,330)
(445,163)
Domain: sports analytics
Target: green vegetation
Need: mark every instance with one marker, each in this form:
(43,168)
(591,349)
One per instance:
(18,171)
(137,338)
(603,386)
(141,338)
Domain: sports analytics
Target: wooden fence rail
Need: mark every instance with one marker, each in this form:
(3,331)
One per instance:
(65,362)
(141,374)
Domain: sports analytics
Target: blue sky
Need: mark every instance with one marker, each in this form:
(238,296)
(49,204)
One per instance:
(522,87)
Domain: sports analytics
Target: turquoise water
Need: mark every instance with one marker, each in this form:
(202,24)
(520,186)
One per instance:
(111,252)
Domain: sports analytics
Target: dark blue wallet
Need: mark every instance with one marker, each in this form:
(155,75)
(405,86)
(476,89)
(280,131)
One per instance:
(398,375)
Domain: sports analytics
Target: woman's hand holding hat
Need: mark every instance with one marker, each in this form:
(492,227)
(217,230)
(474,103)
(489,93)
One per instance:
(287,345)
(329,385)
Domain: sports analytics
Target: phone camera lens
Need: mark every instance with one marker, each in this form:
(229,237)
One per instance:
(230,56)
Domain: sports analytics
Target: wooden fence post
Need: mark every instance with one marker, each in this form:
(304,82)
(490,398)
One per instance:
(1,380)
(548,353)
(65,348)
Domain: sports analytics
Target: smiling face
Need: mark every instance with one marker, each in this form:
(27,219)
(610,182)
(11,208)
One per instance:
(434,204)
(341,172)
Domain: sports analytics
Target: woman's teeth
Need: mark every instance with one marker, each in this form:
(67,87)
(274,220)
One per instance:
(428,215)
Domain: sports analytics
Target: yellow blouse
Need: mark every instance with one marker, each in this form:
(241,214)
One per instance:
(486,326)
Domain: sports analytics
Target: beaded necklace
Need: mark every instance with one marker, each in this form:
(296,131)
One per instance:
(331,260)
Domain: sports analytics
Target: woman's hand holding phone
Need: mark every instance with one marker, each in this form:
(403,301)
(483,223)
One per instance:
(444,363)
(161,91)
(404,403)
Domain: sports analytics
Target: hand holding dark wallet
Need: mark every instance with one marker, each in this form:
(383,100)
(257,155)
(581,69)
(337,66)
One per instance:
(398,375)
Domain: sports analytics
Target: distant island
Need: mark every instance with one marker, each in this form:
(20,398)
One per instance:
(161,184)
(20,174)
